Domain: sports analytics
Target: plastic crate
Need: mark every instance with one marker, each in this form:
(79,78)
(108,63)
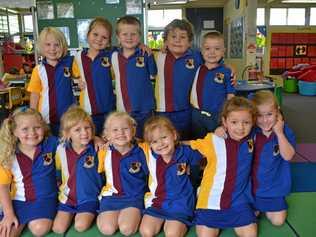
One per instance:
(307,88)
(290,85)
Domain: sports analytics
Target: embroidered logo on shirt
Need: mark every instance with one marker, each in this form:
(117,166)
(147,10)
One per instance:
(276,150)
(89,162)
(105,62)
(48,159)
(183,168)
(67,72)
(140,62)
(189,63)
(219,78)
(250,145)
(135,167)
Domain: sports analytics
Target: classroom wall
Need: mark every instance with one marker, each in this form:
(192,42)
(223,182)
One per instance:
(247,11)
(85,9)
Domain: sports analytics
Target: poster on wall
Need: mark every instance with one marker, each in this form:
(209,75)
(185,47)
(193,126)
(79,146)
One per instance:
(133,7)
(45,10)
(237,38)
(82,28)
(65,10)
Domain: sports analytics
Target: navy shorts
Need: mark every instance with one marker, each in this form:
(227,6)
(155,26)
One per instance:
(29,211)
(115,203)
(162,214)
(270,204)
(229,218)
(91,207)
(181,120)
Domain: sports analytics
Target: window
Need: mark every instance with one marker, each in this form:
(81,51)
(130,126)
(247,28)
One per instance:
(312,17)
(260,17)
(287,16)
(3,24)
(278,16)
(14,24)
(160,18)
(296,16)
(28,23)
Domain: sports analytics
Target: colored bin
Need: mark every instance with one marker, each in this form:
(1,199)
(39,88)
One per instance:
(307,88)
(290,85)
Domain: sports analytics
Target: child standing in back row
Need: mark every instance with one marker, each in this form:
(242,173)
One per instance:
(224,195)
(274,148)
(133,73)
(51,84)
(81,183)
(176,70)
(211,86)
(28,188)
(97,97)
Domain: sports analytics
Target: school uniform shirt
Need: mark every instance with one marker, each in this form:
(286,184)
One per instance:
(126,175)
(170,188)
(133,86)
(98,96)
(226,176)
(271,174)
(210,88)
(174,80)
(32,180)
(54,85)
(81,181)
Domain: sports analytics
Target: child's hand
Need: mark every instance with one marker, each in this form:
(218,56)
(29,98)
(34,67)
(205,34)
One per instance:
(99,143)
(164,48)
(81,84)
(145,49)
(220,132)
(8,222)
(279,125)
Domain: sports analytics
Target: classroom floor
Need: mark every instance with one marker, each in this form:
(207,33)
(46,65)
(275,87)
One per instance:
(300,114)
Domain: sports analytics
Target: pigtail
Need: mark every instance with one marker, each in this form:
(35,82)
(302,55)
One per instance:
(7,142)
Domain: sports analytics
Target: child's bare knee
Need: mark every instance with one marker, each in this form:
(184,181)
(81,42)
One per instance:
(39,229)
(107,229)
(127,230)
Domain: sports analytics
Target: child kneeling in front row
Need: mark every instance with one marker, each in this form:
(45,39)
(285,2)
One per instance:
(224,194)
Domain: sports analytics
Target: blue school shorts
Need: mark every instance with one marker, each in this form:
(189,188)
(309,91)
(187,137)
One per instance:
(110,203)
(162,214)
(91,207)
(229,218)
(270,204)
(29,211)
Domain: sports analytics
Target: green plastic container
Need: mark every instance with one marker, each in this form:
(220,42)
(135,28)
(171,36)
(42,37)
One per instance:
(290,85)
(278,95)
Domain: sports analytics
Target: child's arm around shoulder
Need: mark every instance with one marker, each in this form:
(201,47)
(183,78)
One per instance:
(9,218)
(286,145)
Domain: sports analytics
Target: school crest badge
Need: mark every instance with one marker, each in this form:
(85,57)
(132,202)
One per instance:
(276,150)
(105,62)
(48,159)
(183,168)
(219,78)
(250,145)
(67,72)
(134,167)
(140,62)
(189,63)
(89,162)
